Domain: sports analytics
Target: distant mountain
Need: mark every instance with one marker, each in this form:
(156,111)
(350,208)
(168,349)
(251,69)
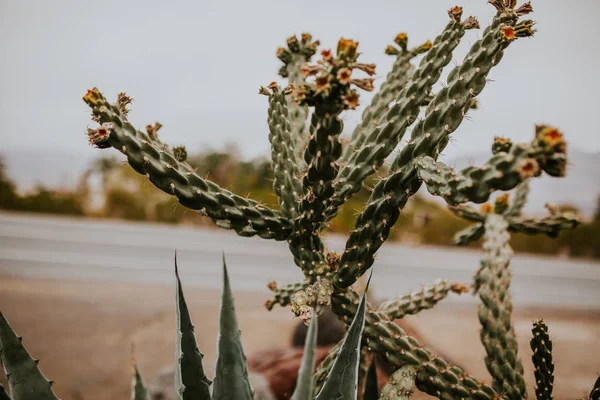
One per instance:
(581,186)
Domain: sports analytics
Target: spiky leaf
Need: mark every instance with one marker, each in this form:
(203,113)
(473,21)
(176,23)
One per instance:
(595,393)
(3,394)
(231,377)
(138,389)
(191,382)
(305,382)
(342,380)
(371,386)
(25,380)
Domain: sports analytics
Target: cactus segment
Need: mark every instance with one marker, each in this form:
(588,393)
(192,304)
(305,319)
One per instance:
(191,382)
(468,235)
(419,300)
(25,380)
(382,139)
(519,201)
(401,384)
(503,171)
(305,383)
(550,226)
(342,380)
(429,137)
(435,376)
(492,282)
(231,377)
(325,366)
(283,295)
(542,360)
(227,210)
(138,388)
(286,183)
(371,391)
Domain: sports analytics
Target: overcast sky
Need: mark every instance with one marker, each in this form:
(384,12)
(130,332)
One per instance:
(195,66)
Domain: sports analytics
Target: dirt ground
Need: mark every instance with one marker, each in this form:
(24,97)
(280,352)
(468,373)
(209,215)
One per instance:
(82,333)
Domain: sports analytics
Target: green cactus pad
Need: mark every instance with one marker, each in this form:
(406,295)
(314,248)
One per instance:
(401,384)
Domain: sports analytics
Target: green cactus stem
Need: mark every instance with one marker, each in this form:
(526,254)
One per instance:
(227,210)
(231,377)
(401,384)
(191,382)
(286,182)
(541,345)
(428,138)
(380,141)
(419,300)
(468,235)
(492,282)
(294,57)
(396,79)
(503,171)
(305,383)
(550,226)
(25,380)
(283,295)
(342,380)
(435,376)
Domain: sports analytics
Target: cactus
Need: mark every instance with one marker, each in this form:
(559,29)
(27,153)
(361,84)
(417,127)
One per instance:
(316,171)
(541,345)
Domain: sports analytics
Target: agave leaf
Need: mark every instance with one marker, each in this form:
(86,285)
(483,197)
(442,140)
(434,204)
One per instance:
(3,394)
(231,377)
(138,389)
(191,382)
(25,380)
(371,386)
(342,380)
(305,382)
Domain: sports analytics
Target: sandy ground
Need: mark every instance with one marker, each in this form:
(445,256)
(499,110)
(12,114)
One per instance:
(82,332)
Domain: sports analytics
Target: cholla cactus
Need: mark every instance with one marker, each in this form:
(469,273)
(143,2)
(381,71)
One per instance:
(315,172)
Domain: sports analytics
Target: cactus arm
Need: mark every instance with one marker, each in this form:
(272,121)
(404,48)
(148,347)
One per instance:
(330,94)
(283,295)
(492,282)
(519,201)
(468,235)
(325,366)
(435,376)
(231,377)
(294,57)
(380,141)
(391,193)
(549,226)
(342,380)
(190,380)
(396,79)
(401,384)
(3,394)
(595,393)
(227,210)
(419,300)
(467,212)
(138,388)
(305,383)
(503,171)
(371,391)
(25,380)
(541,345)
(286,184)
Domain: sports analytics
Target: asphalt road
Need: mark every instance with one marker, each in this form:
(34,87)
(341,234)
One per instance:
(65,248)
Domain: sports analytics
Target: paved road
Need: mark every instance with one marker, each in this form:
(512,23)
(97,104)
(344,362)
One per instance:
(56,248)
